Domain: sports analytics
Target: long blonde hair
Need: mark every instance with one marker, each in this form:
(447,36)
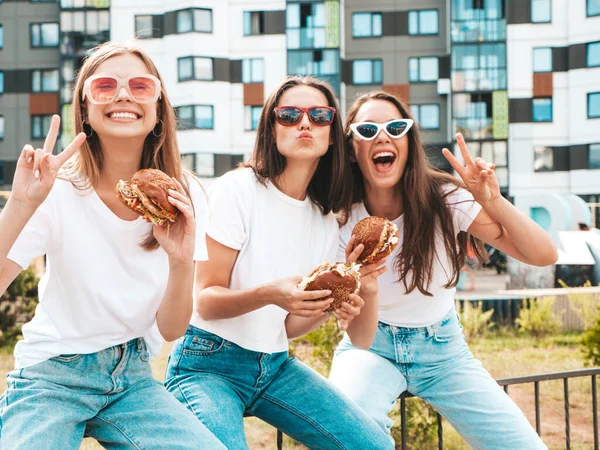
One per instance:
(160,147)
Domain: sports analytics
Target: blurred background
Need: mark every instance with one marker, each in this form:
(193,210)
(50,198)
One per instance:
(519,78)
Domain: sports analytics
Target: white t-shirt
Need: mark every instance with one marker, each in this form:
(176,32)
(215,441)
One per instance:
(101,288)
(277,237)
(396,307)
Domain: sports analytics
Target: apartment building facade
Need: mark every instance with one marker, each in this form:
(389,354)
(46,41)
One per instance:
(519,78)
(29,77)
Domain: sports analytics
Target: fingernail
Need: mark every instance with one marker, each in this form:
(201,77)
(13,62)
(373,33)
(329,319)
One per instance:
(29,159)
(37,174)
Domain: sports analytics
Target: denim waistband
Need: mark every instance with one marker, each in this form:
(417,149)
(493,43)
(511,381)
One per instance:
(429,329)
(139,343)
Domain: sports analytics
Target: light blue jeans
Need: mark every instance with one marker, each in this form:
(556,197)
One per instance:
(221,382)
(109,395)
(433,363)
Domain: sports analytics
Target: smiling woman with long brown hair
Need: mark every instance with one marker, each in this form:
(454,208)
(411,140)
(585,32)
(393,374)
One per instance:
(272,222)
(419,346)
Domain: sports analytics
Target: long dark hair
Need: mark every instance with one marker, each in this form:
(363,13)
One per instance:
(331,184)
(426,210)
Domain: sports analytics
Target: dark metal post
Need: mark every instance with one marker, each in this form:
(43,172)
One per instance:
(567,423)
(538,427)
(279,440)
(440,432)
(595,411)
(403,421)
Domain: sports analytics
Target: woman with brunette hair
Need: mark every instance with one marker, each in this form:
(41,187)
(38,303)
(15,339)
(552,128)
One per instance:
(272,222)
(419,346)
(113,283)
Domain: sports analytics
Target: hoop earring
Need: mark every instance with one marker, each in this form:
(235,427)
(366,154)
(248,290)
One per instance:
(162,127)
(91,130)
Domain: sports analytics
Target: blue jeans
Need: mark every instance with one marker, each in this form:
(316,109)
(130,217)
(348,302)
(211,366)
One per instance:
(221,382)
(109,395)
(433,363)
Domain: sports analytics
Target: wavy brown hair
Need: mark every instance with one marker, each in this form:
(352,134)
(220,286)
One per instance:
(331,184)
(160,147)
(427,212)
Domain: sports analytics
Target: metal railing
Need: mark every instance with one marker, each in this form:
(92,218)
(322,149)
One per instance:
(505,383)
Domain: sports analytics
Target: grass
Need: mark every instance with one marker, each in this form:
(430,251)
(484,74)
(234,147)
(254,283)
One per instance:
(505,354)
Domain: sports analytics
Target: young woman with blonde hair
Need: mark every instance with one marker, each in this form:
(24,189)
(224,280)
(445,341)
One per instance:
(114,284)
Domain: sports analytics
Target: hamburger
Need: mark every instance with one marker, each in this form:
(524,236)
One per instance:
(341,279)
(146,194)
(378,235)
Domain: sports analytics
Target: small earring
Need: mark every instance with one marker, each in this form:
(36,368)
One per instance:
(91,130)
(162,126)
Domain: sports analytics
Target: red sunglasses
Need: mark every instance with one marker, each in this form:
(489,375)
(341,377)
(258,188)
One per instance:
(288,116)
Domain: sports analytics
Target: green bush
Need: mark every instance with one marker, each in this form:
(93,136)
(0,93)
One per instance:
(584,304)
(591,340)
(17,306)
(537,317)
(475,322)
(323,342)
(421,425)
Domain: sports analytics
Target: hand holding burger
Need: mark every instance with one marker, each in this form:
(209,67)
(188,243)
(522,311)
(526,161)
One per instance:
(341,279)
(379,237)
(147,194)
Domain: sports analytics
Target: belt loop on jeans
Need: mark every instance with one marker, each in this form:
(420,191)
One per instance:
(430,330)
(140,344)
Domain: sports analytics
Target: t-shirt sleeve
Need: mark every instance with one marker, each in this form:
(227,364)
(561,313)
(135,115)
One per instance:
(36,238)
(200,201)
(229,211)
(464,209)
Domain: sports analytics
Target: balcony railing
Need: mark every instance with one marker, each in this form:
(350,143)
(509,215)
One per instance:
(506,382)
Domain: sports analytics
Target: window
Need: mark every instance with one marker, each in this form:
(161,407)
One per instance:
(44,34)
(1,128)
(40,126)
(252,70)
(254,23)
(366,24)
(44,81)
(423,22)
(422,69)
(472,115)
(195,19)
(541,11)
(542,110)
(593,8)
(195,117)
(427,116)
(1,36)
(367,71)
(594,105)
(1,82)
(594,156)
(478,67)
(324,64)
(195,68)
(542,59)
(252,114)
(593,54)
(143,27)
(306,26)
(543,159)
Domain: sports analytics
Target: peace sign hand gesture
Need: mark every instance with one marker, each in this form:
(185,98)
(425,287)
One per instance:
(478,175)
(37,169)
